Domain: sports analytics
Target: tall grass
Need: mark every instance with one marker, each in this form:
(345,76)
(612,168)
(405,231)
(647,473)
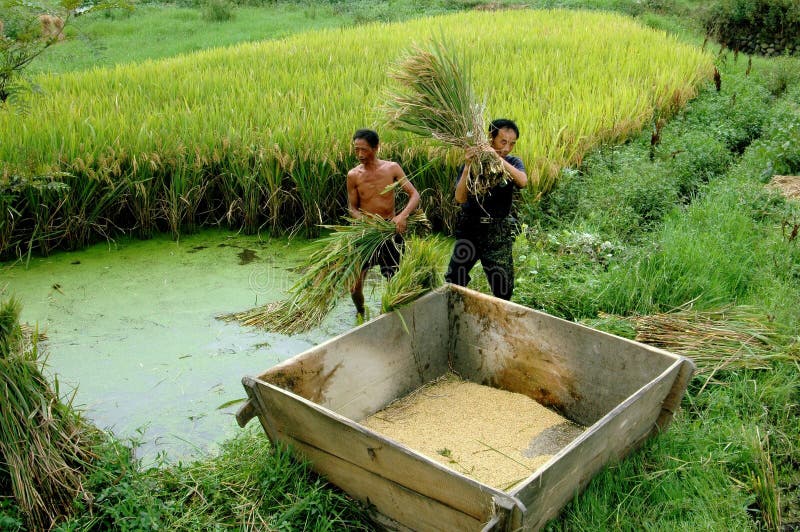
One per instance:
(45,446)
(296,101)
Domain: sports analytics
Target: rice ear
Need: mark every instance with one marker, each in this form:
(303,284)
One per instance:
(434,99)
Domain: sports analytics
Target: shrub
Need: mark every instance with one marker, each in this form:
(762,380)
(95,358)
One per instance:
(702,157)
(736,22)
(217,10)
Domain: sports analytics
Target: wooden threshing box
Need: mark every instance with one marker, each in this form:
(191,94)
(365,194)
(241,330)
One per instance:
(621,391)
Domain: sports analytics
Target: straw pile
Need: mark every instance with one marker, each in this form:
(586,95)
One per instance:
(435,100)
(730,337)
(332,268)
(45,447)
(788,185)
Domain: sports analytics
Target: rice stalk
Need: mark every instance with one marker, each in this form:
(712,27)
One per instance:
(726,338)
(419,272)
(332,268)
(45,447)
(435,100)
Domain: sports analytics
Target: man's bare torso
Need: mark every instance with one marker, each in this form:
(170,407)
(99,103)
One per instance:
(369,184)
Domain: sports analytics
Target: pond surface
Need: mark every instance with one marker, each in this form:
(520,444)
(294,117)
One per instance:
(132,325)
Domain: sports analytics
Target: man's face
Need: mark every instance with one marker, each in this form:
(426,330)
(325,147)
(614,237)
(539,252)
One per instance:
(364,152)
(504,141)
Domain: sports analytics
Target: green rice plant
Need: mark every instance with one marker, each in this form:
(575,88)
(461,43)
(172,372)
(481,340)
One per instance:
(314,196)
(333,267)
(420,271)
(184,191)
(45,446)
(435,100)
(298,99)
(44,199)
(142,199)
(90,205)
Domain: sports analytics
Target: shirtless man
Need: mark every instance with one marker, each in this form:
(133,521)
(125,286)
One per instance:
(365,183)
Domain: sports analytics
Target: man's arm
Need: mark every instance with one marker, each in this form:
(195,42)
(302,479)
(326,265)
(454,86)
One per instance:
(519,177)
(353,200)
(413,199)
(461,185)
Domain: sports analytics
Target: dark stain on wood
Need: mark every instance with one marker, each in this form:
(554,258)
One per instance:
(527,369)
(307,378)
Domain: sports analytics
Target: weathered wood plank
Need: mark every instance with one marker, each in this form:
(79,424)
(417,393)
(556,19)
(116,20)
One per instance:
(614,436)
(673,401)
(580,372)
(302,420)
(358,373)
(401,504)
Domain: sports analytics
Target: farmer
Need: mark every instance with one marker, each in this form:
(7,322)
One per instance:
(484,229)
(365,194)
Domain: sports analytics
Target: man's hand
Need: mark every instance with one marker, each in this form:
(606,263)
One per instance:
(400,223)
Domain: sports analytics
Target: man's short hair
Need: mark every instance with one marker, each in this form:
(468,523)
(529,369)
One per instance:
(369,135)
(502,123)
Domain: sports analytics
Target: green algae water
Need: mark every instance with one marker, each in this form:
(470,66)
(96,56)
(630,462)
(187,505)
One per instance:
(133,326)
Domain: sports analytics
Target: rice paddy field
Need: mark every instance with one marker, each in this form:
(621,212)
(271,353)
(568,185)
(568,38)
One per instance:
(664,232)
(257,136)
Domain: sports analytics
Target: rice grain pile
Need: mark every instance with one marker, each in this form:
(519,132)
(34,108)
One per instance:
(494,436)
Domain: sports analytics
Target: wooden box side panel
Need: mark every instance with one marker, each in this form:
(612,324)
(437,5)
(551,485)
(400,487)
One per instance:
(405,506)
(613,437)
(578,371)
(359,372)
(368,466)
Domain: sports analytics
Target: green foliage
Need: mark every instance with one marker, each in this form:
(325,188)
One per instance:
(729,20)
(777,152)
(697,475)
(781,73)
(27,37)
(699,158)
(706,253)
(10,334)
(249,484)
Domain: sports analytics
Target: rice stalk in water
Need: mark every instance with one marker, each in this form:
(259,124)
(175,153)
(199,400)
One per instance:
(331,269)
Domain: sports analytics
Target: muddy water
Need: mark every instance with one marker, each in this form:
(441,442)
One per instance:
(132,325)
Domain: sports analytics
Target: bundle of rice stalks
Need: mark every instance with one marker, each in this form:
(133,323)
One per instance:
(730,337)
(45,446)
(419,272)
(435,100)
(331,269)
